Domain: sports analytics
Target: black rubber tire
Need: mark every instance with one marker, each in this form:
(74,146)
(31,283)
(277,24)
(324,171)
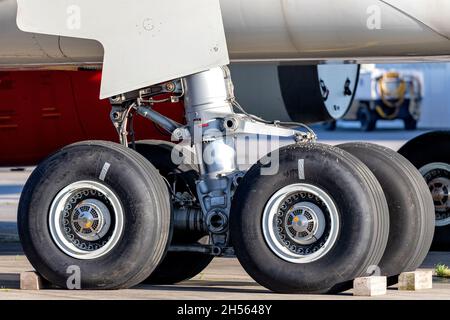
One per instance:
(363,211)
(410,123)
(159,153)
(367,118)
(175,266)
(425,149)
(411,209)
(304,100)
(145,201)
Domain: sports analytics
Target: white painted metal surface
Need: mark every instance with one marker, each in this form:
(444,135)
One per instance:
(430,13)
(145,41)
(364,30)
(330,29)
(24,48)
(256,30)
(335,77)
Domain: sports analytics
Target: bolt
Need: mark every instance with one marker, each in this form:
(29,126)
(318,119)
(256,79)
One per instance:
(170,86)
(148,24)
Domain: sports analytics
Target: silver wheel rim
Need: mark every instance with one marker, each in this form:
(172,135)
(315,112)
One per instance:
(300,223)
(86,220)
(437,176)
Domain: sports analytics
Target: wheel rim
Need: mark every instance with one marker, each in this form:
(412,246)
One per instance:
(437,176)
(86,220)
(300,223)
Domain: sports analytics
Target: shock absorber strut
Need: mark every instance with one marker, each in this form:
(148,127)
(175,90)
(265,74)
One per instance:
(225,143)
(208,103)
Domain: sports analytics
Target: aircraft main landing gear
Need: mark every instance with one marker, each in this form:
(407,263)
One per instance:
(300,216)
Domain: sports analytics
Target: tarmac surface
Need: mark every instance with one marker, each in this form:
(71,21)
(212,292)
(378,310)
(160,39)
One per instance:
(224,279)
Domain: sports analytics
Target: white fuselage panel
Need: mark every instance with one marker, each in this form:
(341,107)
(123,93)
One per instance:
(365,30)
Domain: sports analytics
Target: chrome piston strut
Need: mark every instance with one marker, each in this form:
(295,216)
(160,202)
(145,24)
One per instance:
(226,144)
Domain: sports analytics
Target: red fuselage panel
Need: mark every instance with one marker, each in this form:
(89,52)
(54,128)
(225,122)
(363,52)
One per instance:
(42,111)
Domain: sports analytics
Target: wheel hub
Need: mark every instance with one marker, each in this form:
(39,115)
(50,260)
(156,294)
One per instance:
(437,176)
(300,223)
(86,220)
(304,223)
(439,191)
(91,220)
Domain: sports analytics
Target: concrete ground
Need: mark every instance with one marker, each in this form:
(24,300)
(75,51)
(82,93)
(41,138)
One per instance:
(11,184)
(224,279)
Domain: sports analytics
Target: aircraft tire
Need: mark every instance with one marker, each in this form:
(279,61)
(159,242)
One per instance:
(94,215)
(430,153)
(411,209)
(175,266)
(312,226)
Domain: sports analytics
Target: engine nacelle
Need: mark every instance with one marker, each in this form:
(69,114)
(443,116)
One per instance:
(302,93)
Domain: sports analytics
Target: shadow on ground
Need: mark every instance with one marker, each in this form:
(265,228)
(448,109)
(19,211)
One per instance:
(9,281)
(10,248)
(10,189)
(8,232)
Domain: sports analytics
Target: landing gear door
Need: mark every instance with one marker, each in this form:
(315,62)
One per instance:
(145,41)
(338,84)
